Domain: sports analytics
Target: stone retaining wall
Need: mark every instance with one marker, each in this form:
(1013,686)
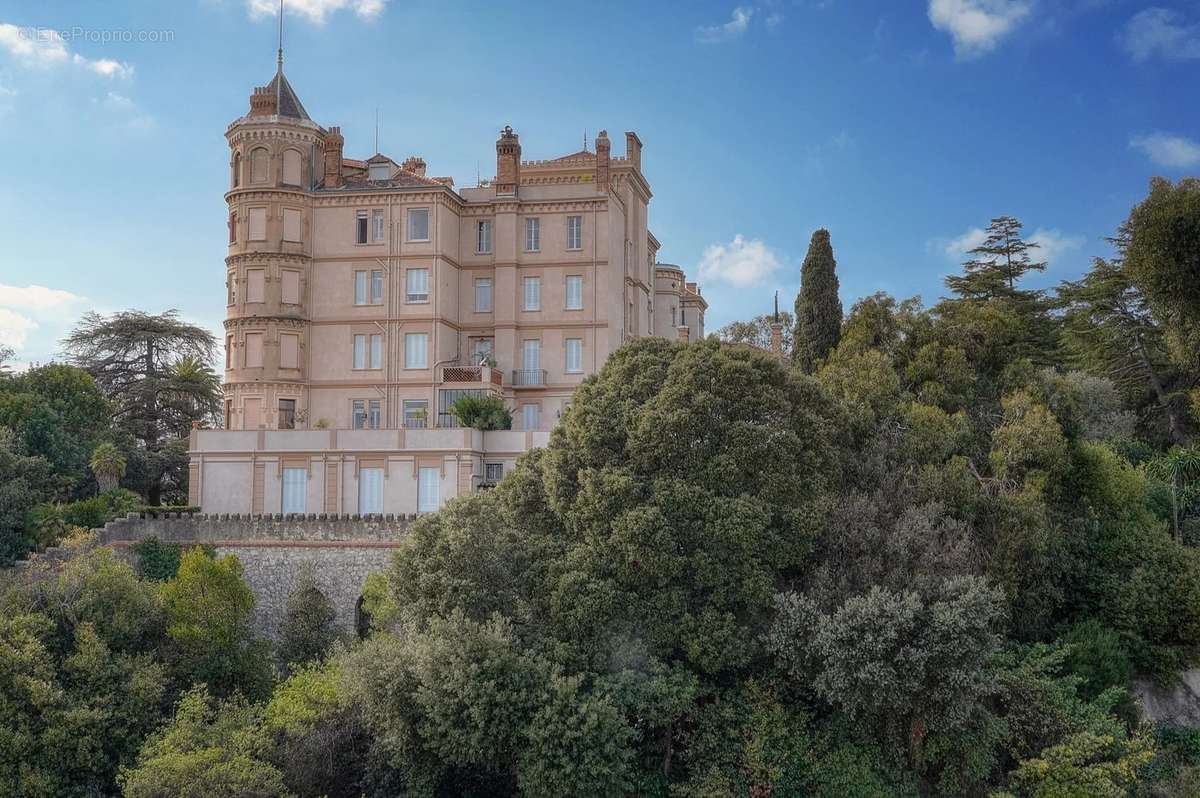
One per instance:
(274,549)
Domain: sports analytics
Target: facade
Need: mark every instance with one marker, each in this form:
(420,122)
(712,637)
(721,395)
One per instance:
(365,296)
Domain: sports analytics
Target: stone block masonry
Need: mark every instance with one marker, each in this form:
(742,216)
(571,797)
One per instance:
(274,549)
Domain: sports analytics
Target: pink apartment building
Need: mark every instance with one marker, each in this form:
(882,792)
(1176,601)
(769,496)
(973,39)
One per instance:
(364,297)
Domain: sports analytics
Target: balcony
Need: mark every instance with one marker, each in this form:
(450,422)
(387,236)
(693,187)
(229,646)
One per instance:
(473,374)
(526,378)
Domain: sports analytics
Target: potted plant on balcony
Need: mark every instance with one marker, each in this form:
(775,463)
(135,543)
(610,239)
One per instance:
(482,412)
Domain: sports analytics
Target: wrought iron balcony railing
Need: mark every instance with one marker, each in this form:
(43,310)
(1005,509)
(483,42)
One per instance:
(527,377)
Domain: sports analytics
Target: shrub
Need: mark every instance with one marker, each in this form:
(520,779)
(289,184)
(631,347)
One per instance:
(482,412)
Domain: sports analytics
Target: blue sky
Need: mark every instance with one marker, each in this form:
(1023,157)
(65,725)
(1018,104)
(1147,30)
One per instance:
(901,125)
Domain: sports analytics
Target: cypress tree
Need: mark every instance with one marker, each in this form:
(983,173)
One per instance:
(818,307)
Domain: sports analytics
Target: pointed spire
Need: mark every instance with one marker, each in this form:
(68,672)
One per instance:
(776,307)
(279,63)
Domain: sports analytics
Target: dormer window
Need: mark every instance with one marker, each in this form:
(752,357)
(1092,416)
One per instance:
(379,171)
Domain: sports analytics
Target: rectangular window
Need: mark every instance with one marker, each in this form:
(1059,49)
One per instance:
(258,224)
(415,346)
(256,284)
(370,491)
(287,413)
(483,237)
(254,350)
(416,413)
(365,358)
(481,350)
(418,224)
(375,413)
(228,351)
(228,414)
(531,355)
(429,490)
(483,294)
(291,224)
(574,292)
(377,287)
(360,288)
(574,232)
(295,486)
(291,167)
(376,225)
(574,355)
(416,285)
(231,289)
(493,472)
(289,351)
(289,291)
(252,413)
(532,293)
(360,227)
(533,234)
(358,414)
(530,416)
(233,228)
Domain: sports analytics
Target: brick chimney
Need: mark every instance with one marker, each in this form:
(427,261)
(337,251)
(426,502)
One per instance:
(603,156)
(685,332)
(777,331)
(414,164)
(508,162)
(633,150)
(262,102)
(333,157)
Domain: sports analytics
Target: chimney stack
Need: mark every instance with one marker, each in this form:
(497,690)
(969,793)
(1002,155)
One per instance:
(633,150)
(777,331)
(333,157)
(262,102)
(603,155)
(414,164)
(508,163)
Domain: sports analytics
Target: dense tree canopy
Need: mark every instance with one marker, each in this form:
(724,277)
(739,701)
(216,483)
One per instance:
(818,306)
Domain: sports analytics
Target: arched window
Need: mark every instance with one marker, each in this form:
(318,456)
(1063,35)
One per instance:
(291,167)
(258,165)
(237,169)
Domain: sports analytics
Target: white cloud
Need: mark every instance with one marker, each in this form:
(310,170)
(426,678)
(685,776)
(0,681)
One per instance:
(739,262)
(977,26)
(957,247)
(774,19)
(36,297)
(1158,31)
(315,10)
(15,328)
(1173,152)
(1053,244)
(733,29)
(45,47)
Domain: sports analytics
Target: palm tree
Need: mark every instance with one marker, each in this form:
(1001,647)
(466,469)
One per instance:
(195,389)
(108,464)
(1177,468)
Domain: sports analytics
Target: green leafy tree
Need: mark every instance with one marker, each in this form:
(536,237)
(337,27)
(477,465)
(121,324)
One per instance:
(210,611)
(151,369)
(207,749)
(1085,764)
(25,482)
(997,264)
(307,631)
(818,306)
(1179,469)
(482,412)
(108,464)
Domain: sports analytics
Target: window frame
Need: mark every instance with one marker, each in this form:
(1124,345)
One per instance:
(567,292)
(575,221)
(362,227)
(534,280)
(490,284)
(480,226)
(533,234)
(567,344)
(407,404)
(408,219)
(411,297)
(281,413)
(378,226)
(424,364)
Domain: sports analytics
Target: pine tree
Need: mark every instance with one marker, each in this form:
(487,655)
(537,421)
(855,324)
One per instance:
(998,264)
(818,306)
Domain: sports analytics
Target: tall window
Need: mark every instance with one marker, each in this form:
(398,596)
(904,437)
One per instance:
(368,287)
(360,227)
(532,293)
(289,287)
(231,289)
(233,228)
(377,225)
(530,416)
(416,413)
(574,355)
(481,350)
(416,285)
(256,284)
(258,224)
(429,482)
(483,236)
(291,223)
(295,486)
(366,413)
(287,416)
(533,234)
(531,355)
(574,292)
(483,295)
(237,169)
(289,351)
(228,353)
(254,350)
(415,347)
(291,167)
(368,351)
(370,491)
(574,232)
(418,224)
(258,165)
